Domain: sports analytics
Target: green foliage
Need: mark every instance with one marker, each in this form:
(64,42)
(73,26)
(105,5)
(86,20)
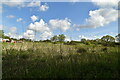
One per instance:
(60,38)
(1,33)
(86,61)
(108,38)
(23,39)
(83,40)
(3,36)
(54,38)
(71,42)
(47,40)
(113,44)
(98,41)
(45,61)
(87,42)
(13,39)
(108,41)
(66,43)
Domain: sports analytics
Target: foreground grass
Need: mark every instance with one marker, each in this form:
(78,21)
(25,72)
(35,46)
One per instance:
(47,60)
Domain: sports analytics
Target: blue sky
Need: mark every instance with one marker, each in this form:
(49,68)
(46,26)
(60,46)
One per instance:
(71,19)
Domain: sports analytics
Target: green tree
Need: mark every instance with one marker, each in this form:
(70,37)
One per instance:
(108,38)
(83,40)
(47,40)
(23,39)
(3,36)
(1,33)
(61,37)
(54,38)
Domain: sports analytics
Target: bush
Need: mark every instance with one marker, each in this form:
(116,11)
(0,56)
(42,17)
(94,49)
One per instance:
(67,43)
(112,44)
(71,43)
(81,50)
(58,42)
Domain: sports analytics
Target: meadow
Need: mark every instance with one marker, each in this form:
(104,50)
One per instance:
(48,60)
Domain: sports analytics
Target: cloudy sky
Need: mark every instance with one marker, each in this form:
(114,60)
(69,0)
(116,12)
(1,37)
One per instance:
(42,20)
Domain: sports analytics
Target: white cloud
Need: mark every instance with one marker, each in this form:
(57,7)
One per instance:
(44,7)
(102,16)
(29,34)
(46,35)
(67,38)
(13,35)
(10,16)
(34,18)
(21,3)
(25,3)
(13,29)
(13,2)
(19,19)
(105,15)
(40,26)
(33,4)
(105,3)
(82,37)
(63,24)
(88,37)
(99,18)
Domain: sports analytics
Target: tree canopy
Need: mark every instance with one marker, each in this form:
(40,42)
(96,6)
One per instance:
(54,38)
(1,33)
(108,38)
(60,37)
(83,40)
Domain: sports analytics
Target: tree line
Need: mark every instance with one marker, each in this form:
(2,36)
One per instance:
(62,37)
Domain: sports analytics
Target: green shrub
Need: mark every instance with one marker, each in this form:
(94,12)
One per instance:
(87,42)
(67,43)
(112,44)
(72,43)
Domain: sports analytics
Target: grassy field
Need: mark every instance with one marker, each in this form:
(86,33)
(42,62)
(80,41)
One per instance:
(48,60)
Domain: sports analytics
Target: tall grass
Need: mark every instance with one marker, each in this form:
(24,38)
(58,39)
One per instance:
(78,61)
